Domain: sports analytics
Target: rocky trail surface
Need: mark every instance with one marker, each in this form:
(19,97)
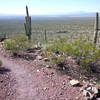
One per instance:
(31,80)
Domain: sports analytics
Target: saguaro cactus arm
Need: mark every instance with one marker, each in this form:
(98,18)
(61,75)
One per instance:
(27,11)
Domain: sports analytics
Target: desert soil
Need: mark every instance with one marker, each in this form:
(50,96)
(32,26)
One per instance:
(31,80)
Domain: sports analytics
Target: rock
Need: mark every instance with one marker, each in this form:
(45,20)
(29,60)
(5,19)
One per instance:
(84,92)
(89,91)
(45,88)
(38,70)
(94,90)
(46,59)
(48,66)
(64,83)
(39,57)
(74,82)
(69,78)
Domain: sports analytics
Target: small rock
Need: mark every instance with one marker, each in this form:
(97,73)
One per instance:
(74,82)
(38,70)
(94,90)
(45,88)
(64,83)
(39,57)
(89,89)
(46,59)
(69,78)
(48,66)
(84,93)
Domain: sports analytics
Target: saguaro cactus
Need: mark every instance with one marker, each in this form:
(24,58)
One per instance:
(96,28)
(45,34)
(27,24)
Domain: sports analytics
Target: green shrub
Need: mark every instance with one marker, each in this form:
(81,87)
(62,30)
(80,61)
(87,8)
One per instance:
(16,44)
(55,52)
(84,51)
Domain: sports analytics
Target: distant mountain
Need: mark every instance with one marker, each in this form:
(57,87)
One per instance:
(73,14)
(82,14)
(11,16)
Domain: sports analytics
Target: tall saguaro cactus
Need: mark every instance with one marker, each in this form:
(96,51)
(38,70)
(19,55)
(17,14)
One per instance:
(96,28)
(27,25)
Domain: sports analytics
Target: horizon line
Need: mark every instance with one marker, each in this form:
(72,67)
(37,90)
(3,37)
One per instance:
(74,12)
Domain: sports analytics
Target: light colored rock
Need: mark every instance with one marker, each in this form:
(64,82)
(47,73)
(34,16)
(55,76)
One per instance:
(46,59)
(39,57)
(64,83)
(89,91)
(84,93)
(45,88)
(48,66)
(74,82)
(94,90)
(38,70)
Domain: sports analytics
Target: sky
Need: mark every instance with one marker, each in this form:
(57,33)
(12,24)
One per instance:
(48,7)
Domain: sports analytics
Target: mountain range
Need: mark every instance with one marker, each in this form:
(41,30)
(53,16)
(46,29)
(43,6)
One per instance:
(73,14)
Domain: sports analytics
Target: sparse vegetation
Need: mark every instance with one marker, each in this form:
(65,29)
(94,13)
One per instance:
(82,50)
(17,44)
(73,27)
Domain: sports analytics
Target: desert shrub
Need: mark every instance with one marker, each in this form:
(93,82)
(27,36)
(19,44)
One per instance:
(16,44)
(55,52)
(85,53)
(82,50)
(0,63)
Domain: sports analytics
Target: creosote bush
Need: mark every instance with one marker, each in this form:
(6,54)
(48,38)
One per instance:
(17,44)
(82,50)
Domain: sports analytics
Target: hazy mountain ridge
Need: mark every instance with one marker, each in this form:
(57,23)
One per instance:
(75,14)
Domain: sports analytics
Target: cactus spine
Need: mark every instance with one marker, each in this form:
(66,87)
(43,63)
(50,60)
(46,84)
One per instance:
(27,25)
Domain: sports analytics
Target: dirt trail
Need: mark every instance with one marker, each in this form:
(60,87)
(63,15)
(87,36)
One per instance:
(25,90)
(35,82)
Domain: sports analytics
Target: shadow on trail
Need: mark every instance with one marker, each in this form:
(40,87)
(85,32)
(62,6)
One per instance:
(4,70)
(29,54)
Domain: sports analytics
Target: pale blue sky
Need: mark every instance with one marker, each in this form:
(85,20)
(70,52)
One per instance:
(40,7)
